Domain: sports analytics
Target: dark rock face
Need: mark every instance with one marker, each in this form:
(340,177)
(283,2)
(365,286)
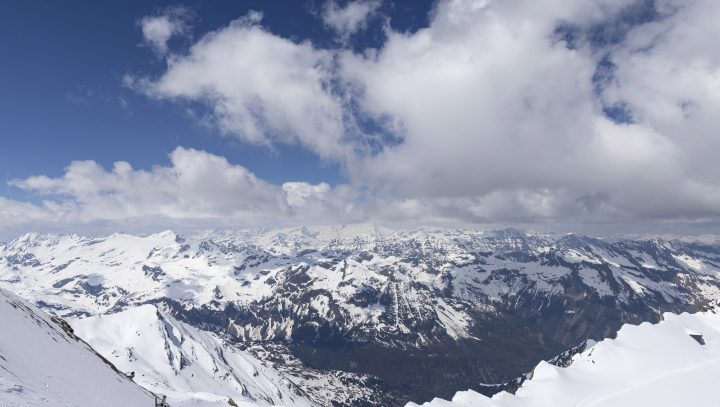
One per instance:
(25,259)
(564,359)
(505,346)
(428,313)
(155,273)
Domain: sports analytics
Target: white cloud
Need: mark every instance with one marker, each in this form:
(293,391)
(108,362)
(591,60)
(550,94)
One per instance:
(18,214)
(260,87)
(197,185)
(202,190)
(493,113)
(493,108)
(351,18)
(197,189)
(498,115)
(158,29)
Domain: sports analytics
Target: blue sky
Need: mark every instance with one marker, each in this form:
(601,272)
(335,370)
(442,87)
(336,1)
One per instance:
(590,115)
(63,84)
(63,97)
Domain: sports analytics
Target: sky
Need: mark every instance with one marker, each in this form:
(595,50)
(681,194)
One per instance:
(597,117)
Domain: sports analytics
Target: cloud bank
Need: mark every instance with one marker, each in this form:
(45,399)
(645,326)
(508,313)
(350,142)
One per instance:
(575,112)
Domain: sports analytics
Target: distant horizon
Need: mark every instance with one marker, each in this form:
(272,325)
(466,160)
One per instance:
(230,231)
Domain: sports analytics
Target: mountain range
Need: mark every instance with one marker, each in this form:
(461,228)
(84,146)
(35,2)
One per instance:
(408,315)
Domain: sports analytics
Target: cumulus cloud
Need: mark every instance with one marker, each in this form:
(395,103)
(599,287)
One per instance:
(592,110)
(500,101)
(195,185)
(18,214)
(517,111)
(158,29)
(260,87)
(351,18)
(200,190)
(197,189)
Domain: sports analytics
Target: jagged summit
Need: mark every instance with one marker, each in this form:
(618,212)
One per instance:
(357,276)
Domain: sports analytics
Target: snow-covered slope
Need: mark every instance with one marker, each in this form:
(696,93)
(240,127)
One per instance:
(201,368)
(646,365)
(191,367)
(42,363)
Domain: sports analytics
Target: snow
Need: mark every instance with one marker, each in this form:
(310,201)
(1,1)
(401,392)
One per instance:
(456,323)
(80,276)
(658,365)
(690,262)
(591,278)
(191,367)
(637,287)
(575,256)
(42,365)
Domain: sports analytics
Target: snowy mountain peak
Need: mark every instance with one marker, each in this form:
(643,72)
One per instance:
(575,241)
